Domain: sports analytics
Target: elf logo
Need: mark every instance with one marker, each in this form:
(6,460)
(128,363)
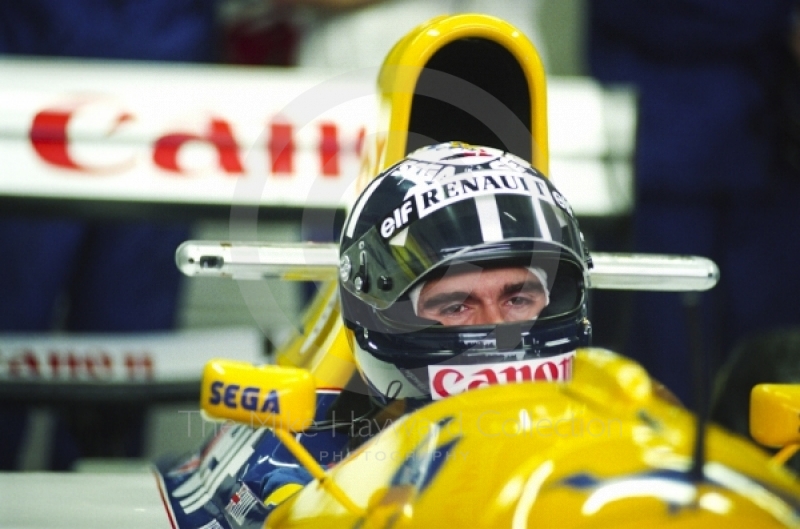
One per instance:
(423,200)
(249,398)
(447,380)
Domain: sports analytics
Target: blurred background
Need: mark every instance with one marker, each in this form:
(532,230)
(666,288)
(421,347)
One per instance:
(695,104)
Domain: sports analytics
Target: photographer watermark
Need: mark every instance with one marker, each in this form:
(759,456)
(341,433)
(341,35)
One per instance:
(489,424)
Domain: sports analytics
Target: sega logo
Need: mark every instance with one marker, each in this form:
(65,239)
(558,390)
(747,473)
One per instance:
(249,398)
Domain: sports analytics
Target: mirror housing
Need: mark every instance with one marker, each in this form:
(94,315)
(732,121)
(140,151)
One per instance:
(775,414)
(259,396)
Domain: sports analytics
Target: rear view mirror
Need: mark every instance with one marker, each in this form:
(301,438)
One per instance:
(775,417)
(268,395)
(276,397)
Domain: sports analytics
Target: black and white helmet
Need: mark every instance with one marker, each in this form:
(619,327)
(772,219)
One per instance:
(444,209)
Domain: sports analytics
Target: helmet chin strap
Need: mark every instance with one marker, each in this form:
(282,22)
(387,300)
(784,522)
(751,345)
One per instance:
(540,274)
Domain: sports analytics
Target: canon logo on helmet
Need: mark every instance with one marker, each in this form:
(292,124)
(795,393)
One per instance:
(448,380)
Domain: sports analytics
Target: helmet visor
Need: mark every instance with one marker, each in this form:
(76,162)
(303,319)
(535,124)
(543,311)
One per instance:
(384,263)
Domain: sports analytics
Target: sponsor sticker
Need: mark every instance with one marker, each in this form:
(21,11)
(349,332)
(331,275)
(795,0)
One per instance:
(242,502)
(426,199)
(447,380)
(222,459)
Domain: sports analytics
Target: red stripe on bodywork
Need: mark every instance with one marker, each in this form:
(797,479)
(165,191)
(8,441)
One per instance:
(165,501)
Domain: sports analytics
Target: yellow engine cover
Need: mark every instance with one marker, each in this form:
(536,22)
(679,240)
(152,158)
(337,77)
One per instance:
(600,451)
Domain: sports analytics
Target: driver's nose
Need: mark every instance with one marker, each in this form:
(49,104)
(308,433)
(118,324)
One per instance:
(490,313)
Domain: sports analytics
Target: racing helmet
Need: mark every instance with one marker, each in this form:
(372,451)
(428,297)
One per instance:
(445,210)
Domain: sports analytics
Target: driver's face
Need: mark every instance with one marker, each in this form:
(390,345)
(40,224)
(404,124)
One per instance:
(483,296)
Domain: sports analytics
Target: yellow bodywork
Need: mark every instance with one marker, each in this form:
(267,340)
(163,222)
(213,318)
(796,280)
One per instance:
(601,451)
(401,70)
(322,346)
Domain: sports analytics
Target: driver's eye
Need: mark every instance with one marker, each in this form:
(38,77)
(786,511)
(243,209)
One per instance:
(452,309)
(520,300)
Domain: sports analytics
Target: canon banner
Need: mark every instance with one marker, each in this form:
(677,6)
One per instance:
(169,357)
(127,131)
